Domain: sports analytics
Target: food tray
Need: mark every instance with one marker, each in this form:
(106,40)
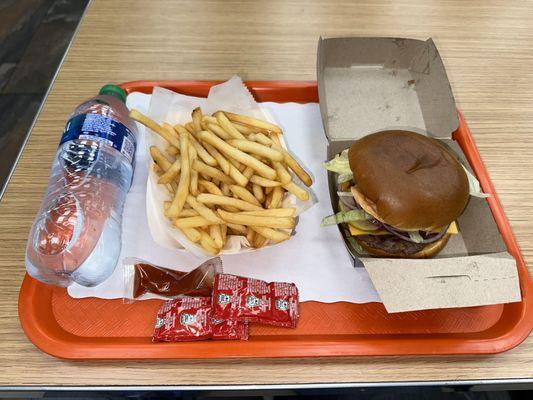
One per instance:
(109,329)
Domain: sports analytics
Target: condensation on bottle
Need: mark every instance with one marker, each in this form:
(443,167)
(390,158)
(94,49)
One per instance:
(76,236)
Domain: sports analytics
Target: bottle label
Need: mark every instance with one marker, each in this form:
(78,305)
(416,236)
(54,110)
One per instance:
(102,129)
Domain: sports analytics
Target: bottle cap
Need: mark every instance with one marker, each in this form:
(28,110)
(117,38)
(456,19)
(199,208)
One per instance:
(114,90)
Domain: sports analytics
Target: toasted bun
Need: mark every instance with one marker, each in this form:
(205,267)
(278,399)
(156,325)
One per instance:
(428,251)
(408,180)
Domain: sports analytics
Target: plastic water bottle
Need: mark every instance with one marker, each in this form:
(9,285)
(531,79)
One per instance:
(76,236)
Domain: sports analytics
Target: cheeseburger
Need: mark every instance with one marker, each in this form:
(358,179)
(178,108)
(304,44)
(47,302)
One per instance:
(399,194)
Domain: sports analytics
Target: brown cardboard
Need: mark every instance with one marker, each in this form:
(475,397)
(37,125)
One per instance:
(371,84)
(444,282)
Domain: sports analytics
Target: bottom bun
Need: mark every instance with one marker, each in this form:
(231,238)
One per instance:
(427,251)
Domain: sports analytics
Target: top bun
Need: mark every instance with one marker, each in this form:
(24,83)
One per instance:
(407,180)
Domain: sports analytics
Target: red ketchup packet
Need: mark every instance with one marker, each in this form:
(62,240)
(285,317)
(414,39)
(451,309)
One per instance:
(251,300)
(142,279)
(190,318)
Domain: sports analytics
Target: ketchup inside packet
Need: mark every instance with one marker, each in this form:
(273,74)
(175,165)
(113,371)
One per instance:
(142,278)
(252,300)
(190,318)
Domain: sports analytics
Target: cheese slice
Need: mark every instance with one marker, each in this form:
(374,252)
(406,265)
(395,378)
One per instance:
(354,231)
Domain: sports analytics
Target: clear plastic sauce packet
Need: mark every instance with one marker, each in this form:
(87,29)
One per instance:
(142,278)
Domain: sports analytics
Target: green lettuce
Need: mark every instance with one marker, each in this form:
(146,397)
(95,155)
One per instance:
(344,178)
(416,237)
(474,186)
(355,245)
(340,164)
(345,216)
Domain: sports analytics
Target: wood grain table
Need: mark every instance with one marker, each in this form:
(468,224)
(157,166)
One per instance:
(487,47)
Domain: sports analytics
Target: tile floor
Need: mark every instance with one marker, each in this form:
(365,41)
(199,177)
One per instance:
(34,35)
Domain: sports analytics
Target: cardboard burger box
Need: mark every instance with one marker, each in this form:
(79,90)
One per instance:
(368,85)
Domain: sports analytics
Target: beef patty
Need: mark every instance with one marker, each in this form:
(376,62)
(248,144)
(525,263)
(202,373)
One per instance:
(391,244)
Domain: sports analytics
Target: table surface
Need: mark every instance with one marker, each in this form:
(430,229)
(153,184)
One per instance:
(487,47)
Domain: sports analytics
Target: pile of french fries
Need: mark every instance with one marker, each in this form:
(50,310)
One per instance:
(227,175)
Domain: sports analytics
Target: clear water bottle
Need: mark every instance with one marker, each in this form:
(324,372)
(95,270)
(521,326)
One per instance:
(76,236)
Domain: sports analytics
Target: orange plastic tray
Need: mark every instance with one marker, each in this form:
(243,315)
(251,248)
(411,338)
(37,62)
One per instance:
(108,329)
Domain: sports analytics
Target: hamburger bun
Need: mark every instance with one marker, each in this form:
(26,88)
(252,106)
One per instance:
(407,180)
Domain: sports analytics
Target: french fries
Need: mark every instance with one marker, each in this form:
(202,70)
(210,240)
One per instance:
(240,229)
(159,158)
(244,194)
(227,201)
(158,170)
(190,128)
(216,235)
(277,195)
(208,244)
(192,222)
(254,220)
(211,172)
(192,234)
(171,172)
(256,148)
(203,154)
(224,122)
(271,234)
(292,163)
(250,236)
(219,158)
(240,156)
(210,187)
(193,155)
(258,192)
(244,129)
(197,119)
(275,212)
(283,174)
(217,130)
(209,119)
(257,123)
(259,241)
(171,150)
(260,138)
(226,174)
(302,194)
(238,176)
(202,210)
(154,126)
(185,177)
(259,180)
(248,172)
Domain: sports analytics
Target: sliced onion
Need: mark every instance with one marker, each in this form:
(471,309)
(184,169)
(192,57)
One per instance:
(344,194)
(404,236)
(348,202)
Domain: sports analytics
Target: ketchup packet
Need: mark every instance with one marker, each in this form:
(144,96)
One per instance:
(229,330)
(142,279)
(251,300)
(184,319)
(189,319)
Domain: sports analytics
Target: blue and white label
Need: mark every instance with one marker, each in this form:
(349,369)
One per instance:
(103,129)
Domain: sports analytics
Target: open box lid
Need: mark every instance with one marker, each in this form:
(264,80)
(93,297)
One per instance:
(366,85)
(390,83)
